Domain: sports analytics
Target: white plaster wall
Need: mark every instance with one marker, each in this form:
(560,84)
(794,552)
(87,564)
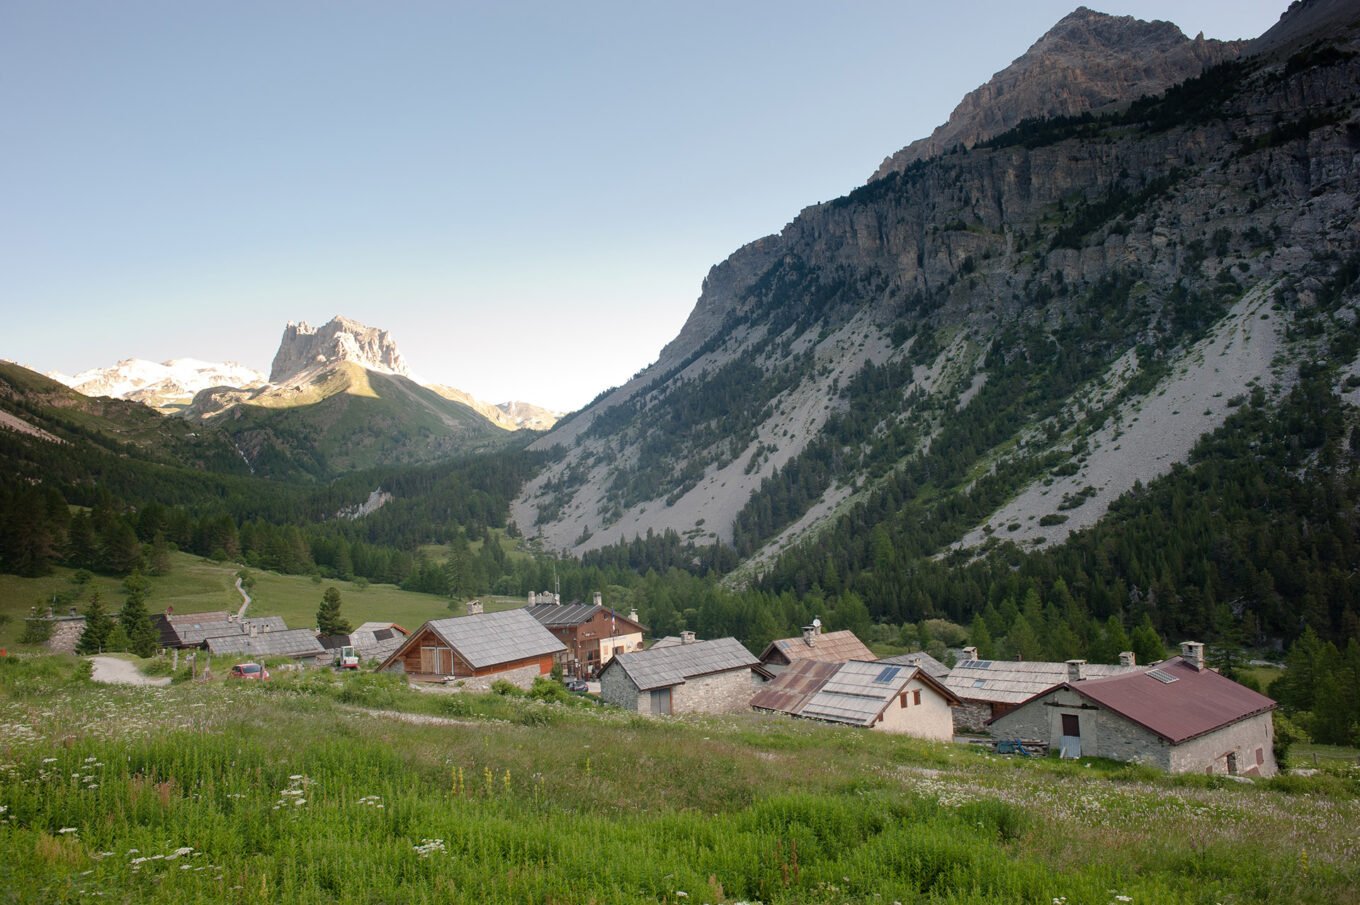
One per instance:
(933,718)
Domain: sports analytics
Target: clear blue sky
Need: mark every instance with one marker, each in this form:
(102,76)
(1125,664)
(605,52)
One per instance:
(527,195)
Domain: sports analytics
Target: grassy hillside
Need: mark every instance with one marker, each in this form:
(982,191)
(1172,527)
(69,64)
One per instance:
(197,585)
(349,419)
(222,793)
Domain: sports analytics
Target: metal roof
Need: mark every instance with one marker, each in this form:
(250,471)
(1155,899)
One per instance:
(553,615)
(1195,702)
(488,639)
(791,689)
(922,659)
(666,666)
(831,647)
(296,642)
(858,692)
(1012,682)
(195,633)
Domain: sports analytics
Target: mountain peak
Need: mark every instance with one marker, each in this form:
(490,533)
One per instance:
(304,348)
(1086,61)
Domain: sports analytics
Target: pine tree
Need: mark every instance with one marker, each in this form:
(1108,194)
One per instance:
(98,625)
(328,618)
(1147,644)
(134,619)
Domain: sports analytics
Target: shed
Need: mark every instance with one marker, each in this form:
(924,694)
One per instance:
(814,644)
(870,694)
(717,676)
(1179,715)
(510,645)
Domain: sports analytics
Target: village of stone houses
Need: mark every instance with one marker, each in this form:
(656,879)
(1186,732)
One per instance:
(558,751)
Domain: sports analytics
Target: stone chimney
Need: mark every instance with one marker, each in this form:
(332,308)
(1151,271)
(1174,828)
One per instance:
(632,615)
(599,599)
(810,635)
(474,608)
(533,599)
(970,653)
(1126,658)
(687,637)
(1076,670)
(254,629)
(1192,652)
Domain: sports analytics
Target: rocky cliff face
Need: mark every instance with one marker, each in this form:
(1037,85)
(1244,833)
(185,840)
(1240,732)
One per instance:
(304,348)
(1087,61)
(1018,314)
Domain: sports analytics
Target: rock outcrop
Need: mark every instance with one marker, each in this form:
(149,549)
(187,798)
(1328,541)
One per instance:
(305,348)
(1087,61)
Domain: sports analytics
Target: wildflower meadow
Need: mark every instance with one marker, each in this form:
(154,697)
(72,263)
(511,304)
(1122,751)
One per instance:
(319,788)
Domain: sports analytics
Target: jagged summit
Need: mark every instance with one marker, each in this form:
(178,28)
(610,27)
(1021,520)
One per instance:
(1086,61)
(304,348)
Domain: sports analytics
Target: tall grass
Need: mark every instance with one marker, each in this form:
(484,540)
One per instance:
(243,793)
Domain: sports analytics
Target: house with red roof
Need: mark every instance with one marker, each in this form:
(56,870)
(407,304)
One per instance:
(1179,715)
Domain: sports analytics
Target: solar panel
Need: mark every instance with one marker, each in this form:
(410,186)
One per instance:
(888,674)
(1165,678)
(980,664)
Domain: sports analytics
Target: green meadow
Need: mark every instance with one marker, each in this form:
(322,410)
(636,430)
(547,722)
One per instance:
(322,788)
(195,585)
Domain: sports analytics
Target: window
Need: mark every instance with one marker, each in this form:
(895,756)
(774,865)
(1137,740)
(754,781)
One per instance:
(1232,764)
(902,699)
(1260,757)
(916,696)
(1071,725)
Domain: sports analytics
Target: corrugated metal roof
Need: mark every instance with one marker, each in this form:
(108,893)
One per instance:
(791,689)
(297,642)
(666,666)
(922,659)
(488,639)
(858,692)
(1011,682)
(830,647)
(1195,702)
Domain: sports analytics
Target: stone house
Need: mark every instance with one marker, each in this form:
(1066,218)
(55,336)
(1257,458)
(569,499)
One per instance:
(477,650)
(989,688)
(828,647)
(592,634)
(716,676)
(1179,716)
(294,643)
(896,698)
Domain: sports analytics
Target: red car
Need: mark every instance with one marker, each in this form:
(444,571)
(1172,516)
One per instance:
(249,671)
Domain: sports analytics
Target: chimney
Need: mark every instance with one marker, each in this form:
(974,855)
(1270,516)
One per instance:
(1076,670)
(599,599)
(533,598)
(1192,652)
(254,630)
(632,615)
(474,607)
(810,635)
(687,637)
(1126,658)
(817,624)
(970,653)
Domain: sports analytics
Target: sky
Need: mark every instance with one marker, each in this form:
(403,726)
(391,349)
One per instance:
(527,195)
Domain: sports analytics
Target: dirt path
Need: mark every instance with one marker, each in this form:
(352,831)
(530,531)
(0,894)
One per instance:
(113,671)
(241,613)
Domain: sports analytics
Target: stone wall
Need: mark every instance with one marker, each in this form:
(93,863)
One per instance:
(66,634)
(522,677)
(617,689)
(723,692)
(972,716)
(1246,739)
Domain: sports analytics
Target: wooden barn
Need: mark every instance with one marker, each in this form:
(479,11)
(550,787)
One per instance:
(510,645)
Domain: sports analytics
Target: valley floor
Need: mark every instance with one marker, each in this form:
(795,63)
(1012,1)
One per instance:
(294,792)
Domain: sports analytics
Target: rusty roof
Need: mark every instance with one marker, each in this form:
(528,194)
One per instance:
(1179,704)
(829,647)
(790,690)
